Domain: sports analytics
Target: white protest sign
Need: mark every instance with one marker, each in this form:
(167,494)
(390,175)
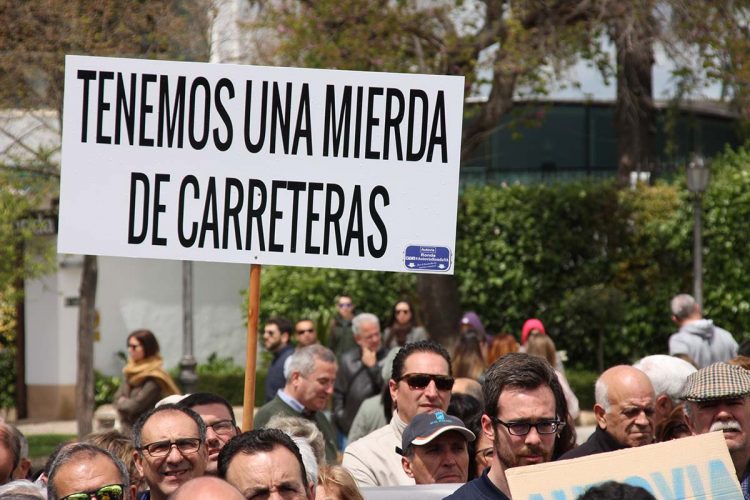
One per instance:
(260,165)
(696,467)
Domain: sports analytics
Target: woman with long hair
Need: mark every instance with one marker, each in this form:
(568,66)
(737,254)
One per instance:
(540,345)
(468,359)
(145,381)
(404,327)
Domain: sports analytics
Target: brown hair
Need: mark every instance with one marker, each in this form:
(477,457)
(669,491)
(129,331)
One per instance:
(338,483)
(121,446)
(147,339)
(501,345)
(467,357)
(542,346)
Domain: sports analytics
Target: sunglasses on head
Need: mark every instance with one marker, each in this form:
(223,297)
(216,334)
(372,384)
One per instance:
(109,492)
(421,380)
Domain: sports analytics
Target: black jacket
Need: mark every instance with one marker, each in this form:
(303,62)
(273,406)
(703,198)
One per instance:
(354,383)
(599,442)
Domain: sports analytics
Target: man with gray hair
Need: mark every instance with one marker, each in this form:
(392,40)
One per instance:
(308,389)
(83,468)
(624,412)
(668,375)
(698,338)
(359,375)
(10,452)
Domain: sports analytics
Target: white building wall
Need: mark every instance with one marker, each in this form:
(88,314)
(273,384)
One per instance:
(147,293)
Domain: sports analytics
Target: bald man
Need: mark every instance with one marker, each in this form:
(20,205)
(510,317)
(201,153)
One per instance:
(624,410)
(207,488)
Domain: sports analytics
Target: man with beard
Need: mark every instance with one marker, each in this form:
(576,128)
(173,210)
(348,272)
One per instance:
(717,400)
(525,417)
(624,410)
(218,416)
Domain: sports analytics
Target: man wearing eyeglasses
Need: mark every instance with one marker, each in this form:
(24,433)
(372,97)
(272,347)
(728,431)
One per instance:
(340,337)
(524,416)
(82,471)
(624,410)
(169,449)
(218,416)
(308,389)
(420,382)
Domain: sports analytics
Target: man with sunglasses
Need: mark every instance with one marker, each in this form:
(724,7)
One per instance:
(624,411)
(340,337)
(82,471)
(524,417)
(170,449)
(218,416)
(305,333)
(420,382)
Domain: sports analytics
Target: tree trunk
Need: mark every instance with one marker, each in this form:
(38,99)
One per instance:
(439,303)
(85,375)
(633,32)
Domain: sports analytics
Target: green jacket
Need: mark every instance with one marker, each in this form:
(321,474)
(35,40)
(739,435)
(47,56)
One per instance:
(278,407)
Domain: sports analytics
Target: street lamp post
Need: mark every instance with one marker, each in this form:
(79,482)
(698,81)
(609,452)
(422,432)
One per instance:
(188,377)
(697,181)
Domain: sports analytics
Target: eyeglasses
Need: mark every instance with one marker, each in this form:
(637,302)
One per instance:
(344,305)
(133,346)
(223,427)
(109,492)
(306,330)
(162,448)
(417,381)
(485,453)
(523,428)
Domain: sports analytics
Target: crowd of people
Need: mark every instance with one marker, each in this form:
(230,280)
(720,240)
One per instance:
(375,409)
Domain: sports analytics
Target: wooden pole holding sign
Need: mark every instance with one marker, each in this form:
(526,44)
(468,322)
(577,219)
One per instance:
(253,311)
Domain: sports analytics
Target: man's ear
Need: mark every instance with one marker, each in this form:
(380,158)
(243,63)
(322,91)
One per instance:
(137,457)
(488,428)
(664,405)
(393,387)
(688,420)
(599,414)
(407,467)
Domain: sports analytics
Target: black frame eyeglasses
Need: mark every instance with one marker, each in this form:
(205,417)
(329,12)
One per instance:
(523,428)
(186,446)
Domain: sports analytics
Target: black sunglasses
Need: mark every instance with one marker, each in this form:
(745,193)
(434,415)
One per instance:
(417,381)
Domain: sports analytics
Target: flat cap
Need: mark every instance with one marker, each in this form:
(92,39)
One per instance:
(717,381)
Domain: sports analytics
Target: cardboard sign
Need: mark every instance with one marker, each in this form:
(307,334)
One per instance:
(696,467)
(260,165)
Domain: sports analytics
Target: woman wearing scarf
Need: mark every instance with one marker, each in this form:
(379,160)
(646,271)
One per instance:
(145,382)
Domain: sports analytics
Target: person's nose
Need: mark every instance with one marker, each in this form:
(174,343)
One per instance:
(642,419)
(533,437)
(212,438)
(174,456)
(431,391)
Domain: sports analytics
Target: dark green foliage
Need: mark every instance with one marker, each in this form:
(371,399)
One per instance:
(582,383)
(41,445)
(298,292)
(7,378)
(222,376)
(105,387)
(596,264)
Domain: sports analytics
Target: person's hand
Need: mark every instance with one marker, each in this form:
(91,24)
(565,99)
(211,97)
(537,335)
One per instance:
(369,357)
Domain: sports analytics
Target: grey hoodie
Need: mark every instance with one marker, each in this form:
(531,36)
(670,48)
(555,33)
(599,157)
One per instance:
(704,342)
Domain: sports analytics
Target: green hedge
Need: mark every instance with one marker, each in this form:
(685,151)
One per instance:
(597,264)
